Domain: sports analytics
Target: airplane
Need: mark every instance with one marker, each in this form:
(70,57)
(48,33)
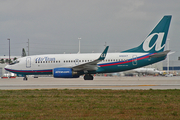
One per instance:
(143,71)
(150,51)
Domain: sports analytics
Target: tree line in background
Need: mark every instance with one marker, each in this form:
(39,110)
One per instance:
(2,61)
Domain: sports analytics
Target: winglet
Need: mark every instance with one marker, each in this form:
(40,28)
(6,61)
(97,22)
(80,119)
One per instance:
(103,55)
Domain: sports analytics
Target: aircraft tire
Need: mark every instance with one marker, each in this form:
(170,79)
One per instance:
(25,78)
(88,77)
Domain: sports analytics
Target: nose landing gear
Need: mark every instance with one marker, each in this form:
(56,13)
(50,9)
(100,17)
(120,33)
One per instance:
(25,78)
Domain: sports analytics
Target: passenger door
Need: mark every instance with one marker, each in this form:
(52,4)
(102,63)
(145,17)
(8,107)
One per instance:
(134,59)
(28,62)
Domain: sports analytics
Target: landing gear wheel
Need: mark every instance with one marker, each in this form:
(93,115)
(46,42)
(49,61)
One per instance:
(88,77)
(25,78)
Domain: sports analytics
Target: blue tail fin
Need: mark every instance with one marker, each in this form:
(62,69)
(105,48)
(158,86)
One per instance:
(156,40)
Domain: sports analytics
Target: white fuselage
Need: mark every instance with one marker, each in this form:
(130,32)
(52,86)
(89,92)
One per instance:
(50,61)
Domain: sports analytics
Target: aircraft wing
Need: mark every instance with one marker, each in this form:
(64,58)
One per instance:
(161,54)
(90,66)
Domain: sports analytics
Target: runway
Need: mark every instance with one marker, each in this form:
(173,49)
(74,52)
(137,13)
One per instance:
(114,83)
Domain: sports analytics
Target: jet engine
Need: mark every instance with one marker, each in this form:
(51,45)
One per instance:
(64,73)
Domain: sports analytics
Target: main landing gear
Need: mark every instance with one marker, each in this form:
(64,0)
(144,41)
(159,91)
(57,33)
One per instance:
(88,77)
(25,78)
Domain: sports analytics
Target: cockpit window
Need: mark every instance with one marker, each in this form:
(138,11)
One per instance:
(14,62)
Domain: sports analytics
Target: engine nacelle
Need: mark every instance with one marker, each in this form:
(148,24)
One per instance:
(64,73)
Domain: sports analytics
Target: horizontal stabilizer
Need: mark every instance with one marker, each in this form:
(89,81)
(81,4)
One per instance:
(161,54)
(171,53)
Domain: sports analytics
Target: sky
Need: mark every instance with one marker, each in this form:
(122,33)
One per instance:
(54,26)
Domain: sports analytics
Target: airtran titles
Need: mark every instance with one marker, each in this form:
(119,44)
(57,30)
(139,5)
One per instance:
(39,59)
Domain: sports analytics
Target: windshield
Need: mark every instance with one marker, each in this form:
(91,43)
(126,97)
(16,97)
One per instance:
(14,62)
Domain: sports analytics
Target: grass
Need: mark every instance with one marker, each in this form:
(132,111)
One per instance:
(90,104)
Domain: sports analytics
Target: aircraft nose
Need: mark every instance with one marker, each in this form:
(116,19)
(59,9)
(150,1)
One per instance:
(7,67)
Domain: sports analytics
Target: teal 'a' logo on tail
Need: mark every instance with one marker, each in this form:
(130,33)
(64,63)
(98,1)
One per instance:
(156,40)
